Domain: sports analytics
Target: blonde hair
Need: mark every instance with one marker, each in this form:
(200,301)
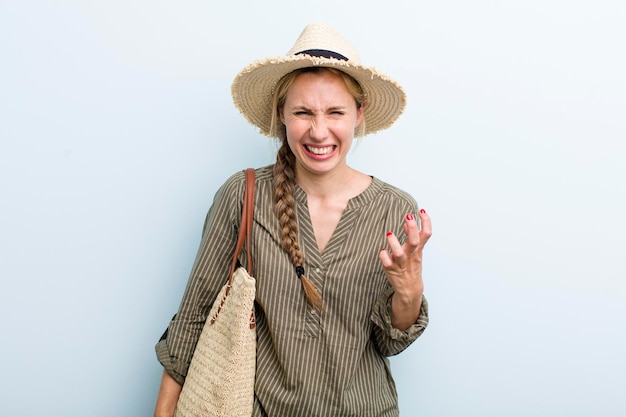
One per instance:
(285,175)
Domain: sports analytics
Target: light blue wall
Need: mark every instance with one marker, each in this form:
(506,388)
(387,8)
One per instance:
(116,128)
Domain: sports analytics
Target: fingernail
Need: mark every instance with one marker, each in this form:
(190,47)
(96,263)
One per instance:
(422,211)
(389,233)
(409,216)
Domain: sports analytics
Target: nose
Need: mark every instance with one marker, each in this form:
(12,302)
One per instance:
(319,129)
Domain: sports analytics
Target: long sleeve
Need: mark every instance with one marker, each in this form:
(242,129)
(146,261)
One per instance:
(208,275)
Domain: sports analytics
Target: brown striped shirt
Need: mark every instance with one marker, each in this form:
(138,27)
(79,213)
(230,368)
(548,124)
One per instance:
(308,364)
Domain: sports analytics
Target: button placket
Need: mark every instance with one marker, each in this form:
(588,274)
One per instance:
(312,321)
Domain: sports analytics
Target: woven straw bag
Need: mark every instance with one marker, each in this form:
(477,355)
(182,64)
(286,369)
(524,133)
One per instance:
(220,380)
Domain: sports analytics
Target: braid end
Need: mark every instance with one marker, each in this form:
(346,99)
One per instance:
(312,294)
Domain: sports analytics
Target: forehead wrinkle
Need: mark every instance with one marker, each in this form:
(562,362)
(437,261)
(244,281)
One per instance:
(317,108)
(313,92)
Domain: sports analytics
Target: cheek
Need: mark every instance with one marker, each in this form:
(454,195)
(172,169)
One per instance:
(297,126)
(347,128)
(293,134)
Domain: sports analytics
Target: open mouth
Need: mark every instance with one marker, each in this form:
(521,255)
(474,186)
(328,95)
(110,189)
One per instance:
(320,150)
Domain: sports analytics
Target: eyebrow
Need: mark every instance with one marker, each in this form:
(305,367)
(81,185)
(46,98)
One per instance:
(330,109)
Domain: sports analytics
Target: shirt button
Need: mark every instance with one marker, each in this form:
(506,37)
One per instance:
(317,270)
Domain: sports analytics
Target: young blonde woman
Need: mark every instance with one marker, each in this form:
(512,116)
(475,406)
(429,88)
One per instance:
(337,253)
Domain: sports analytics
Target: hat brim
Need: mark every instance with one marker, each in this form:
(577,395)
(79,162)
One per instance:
(252,90)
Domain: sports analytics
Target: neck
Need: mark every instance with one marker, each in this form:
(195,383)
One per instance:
(325,184)
(344,184)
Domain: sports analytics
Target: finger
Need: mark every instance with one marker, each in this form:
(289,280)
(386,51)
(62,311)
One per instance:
(412,232)
(397,251)
(427,229)
(385,258)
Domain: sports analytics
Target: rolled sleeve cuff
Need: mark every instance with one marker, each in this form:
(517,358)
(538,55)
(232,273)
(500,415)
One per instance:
(169,363)
(398,340)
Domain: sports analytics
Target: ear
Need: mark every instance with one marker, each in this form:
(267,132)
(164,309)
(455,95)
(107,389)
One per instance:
(359,114)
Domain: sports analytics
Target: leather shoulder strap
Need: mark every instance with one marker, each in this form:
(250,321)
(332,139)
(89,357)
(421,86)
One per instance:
(245,228)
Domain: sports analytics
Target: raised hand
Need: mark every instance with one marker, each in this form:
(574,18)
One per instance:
(403,266)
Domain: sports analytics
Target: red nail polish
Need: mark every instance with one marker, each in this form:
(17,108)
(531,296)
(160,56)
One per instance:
(409,216)
(422,211)
(389,233)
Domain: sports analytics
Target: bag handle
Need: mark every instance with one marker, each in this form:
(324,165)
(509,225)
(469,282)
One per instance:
(245,228)
(245,234)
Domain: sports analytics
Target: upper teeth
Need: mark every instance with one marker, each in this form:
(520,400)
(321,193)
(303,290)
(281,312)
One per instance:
(321,151)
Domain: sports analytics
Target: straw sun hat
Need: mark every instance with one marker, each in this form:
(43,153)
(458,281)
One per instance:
(318,45)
